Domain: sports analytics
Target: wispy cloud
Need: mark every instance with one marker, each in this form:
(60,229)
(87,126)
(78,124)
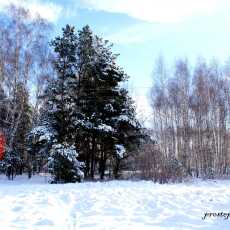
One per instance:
(165,11)
(46,9)
(134,34)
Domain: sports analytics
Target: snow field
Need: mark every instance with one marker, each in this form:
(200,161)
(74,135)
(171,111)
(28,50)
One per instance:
(114,205)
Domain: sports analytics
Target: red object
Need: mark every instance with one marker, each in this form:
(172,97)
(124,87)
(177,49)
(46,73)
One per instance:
(2,146)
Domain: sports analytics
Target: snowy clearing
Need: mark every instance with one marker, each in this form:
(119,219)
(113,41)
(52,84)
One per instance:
(112,205)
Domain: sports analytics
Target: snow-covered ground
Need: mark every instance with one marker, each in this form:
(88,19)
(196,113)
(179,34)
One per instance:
(122,205)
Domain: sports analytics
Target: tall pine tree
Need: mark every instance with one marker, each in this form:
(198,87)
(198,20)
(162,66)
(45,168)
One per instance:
(56,134)
(107,108)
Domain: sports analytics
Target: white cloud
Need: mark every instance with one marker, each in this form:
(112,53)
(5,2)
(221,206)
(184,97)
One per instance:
(135,34)
(165,11)
(46,9)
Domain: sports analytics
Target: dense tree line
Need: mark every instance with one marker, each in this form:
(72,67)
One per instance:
(63,109)
(191,117)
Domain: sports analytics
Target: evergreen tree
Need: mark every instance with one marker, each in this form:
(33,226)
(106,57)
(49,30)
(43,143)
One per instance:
(103,102)
(58,114)
(25,112)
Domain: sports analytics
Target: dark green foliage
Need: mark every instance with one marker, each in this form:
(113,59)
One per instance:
(56,125)
(64,165)
(106,107)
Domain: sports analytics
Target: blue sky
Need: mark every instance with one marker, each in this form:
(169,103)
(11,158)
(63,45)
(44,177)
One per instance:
(141,30)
